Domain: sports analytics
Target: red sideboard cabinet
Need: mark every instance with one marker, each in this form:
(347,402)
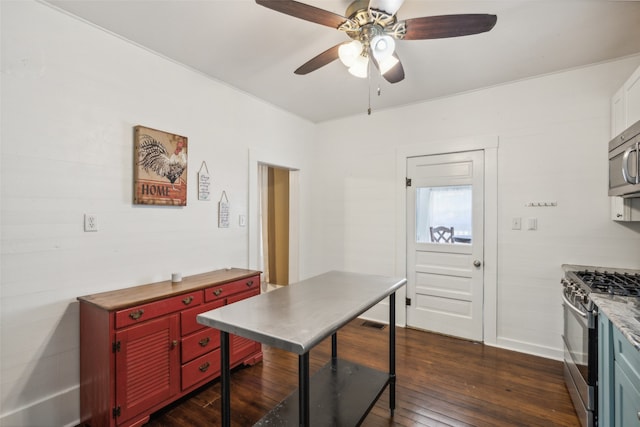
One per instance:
(141,348)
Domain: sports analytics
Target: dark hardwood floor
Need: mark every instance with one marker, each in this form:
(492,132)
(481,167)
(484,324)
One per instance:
(441,381)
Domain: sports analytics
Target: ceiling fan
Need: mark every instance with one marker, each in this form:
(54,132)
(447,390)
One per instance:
(373,28)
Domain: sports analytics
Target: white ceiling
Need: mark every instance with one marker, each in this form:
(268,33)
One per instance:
(256,49)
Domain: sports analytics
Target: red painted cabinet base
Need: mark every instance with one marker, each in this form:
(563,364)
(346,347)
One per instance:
(141,348)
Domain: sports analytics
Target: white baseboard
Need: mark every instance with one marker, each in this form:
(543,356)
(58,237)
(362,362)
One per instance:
(528,348)
(61,409)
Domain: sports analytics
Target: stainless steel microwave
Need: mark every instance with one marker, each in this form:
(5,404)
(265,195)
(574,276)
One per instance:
(624,163)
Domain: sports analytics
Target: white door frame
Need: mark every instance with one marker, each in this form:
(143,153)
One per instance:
(277,160)
(489,144)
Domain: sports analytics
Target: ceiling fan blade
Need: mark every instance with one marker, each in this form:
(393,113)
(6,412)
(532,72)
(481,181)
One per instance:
(321,60)
(304,11)
(388,6)
(443,26)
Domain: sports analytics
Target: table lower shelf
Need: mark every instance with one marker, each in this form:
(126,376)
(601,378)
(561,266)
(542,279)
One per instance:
(338,397)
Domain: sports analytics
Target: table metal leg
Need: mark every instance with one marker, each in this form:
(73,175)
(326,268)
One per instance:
(334,350)
(303,389)
(392,352)
(225,379)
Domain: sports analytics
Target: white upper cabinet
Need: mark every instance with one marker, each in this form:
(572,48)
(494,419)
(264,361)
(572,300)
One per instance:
(618,116)
(632,94)
(625,104)
(625,111)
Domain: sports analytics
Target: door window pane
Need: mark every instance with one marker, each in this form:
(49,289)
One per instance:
(448,206)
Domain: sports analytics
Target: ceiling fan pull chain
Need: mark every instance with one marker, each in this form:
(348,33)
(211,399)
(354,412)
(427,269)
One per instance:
(369,86)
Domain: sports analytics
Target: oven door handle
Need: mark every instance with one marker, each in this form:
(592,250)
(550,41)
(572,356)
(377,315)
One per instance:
(575,310)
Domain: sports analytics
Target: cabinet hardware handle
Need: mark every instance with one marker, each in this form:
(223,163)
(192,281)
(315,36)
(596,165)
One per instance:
(135,315)
(187,300)
(250,283)
(217,292)
(204,341)
(638,415)
(204,367)
(174,343)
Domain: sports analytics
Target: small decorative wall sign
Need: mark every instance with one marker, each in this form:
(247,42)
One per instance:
(204,180)
(160,171)
(223,211)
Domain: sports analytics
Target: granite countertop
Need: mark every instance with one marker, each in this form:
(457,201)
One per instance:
(624,313)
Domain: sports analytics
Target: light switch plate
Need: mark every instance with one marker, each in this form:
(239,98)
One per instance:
(532,223)
(516,223)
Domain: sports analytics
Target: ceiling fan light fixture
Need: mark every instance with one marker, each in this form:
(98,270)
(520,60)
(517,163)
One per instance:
(349,52)
(387,64)
(383,47)
(360,67)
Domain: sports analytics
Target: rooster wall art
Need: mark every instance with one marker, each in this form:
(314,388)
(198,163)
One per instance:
(161,167)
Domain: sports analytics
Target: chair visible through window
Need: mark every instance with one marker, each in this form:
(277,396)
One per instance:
(441,234)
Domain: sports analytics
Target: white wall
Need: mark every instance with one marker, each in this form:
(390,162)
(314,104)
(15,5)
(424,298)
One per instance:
(553,133)
(71,95)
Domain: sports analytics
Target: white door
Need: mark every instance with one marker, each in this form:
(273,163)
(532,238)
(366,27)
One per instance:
(445,278)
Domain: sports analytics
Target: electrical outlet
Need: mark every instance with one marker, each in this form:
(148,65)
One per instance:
(90,222)
(516,223)
(242,220)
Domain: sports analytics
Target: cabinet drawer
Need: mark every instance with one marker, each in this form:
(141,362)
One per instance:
(142,312)
(199,343)
(202,369)
(188,322)
(231,288)
(627,356)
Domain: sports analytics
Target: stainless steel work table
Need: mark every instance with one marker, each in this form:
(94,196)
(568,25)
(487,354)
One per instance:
(298,317)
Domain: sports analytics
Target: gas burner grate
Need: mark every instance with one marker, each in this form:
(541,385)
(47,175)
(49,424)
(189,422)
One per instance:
(615,283)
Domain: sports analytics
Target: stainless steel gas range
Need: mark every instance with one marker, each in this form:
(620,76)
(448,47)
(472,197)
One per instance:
(580,332)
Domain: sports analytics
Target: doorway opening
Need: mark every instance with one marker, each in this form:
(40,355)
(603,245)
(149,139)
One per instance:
(277,215)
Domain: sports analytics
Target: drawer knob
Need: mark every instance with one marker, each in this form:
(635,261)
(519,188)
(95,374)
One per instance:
(174,343)
(250,283)
(217,292)
(187,300)
(135,315)
(204,367)
(204,341)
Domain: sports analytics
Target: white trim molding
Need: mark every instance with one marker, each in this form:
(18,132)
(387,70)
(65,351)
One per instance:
(257,157)
(488,144)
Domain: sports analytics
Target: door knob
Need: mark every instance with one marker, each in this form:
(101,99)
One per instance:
(477,263)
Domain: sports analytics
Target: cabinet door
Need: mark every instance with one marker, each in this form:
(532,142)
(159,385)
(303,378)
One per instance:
(241,347)
(605,371)
(618,113)
(627,401)
(147,366)
(632,98)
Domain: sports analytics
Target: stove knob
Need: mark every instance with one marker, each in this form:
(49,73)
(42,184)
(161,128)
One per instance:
(585,298)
